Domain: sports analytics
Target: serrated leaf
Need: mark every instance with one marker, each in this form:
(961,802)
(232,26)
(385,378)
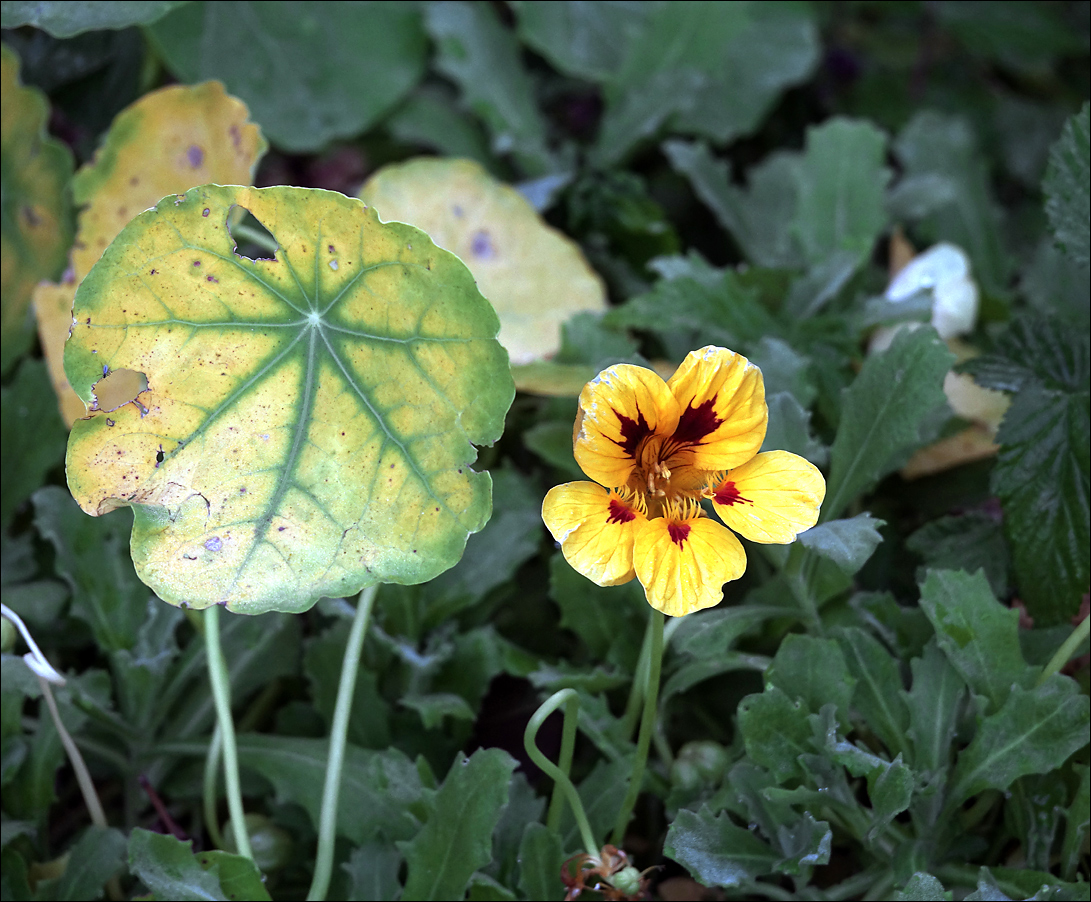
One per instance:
(883,411)
(601,793)
(171,870)
(878,686)
(32,435)
(1067,187)
(1043,479)
(717,852)
(373,872)
(686,313)
(310,72)
(92,557)
(96,857)
(934,702)
(482,57)
(922,887)
(37,221)
(969,542)
(790,429)
(540,858)
(814,671)
(167,142)
(457,839)
(694,67)
(841,182)
(979,635)
(142,670)
(65,19)
(1034,732)
(759,217)
(339,384)
(377,787)
(848,543)
(775,731)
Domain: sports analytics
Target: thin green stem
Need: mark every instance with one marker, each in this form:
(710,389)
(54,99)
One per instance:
(1067,650)
(636,691)
(221,697)
(327,823)
(564,761)
(212,771)
(647,727)
(559,777)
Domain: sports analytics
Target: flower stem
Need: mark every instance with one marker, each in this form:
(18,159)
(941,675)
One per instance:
(640,682)
(327,825)
(221,697)
(561,781)
(647,727)
(212,770)
(1067,649)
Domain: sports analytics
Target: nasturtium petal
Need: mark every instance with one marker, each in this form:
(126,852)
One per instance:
(596,529)
(308,421)
(771,498)
(534,276)
(721,399)
(620,408)
(683,564)
(167,142)
(37,227)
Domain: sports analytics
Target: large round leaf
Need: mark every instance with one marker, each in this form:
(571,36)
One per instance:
(535,277)
(308,421)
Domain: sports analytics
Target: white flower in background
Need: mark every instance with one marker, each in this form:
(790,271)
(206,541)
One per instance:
(944,270)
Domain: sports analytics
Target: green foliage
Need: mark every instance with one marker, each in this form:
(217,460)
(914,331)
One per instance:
(1068,198)
(336,67)
(893,707)
(1043,475)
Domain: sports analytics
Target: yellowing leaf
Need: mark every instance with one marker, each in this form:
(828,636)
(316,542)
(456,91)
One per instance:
(166,143)
(307,425)
(36,227)
(535,277)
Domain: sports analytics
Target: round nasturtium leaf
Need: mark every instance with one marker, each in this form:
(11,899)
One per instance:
(535,277)
(308,421)
(167,142)
(36,227)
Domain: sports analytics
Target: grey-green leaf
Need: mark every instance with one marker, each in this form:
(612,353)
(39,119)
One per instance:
(310,72)
(716,851)
(883,411)
(848,543)
(65,19)
(457,839)
(1033,733)
(978,634)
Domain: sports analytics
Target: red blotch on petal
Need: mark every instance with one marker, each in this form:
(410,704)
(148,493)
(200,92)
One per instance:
(727,493)
(619,512)
(696,423)
(633,432)
(678,532)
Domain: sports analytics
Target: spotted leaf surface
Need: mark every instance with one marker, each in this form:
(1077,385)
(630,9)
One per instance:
(309,421)
(166,143)
(36,223)
(535,277)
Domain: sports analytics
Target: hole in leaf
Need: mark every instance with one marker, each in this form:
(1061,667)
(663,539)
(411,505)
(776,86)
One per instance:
(118,388)
(252,240)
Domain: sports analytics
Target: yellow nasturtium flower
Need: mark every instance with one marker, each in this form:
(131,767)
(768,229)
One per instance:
(655,449)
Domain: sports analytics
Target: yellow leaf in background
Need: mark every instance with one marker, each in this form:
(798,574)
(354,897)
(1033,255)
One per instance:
(167,142)
(535,277)
(37,227)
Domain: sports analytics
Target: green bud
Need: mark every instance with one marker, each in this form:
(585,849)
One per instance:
(627,881)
